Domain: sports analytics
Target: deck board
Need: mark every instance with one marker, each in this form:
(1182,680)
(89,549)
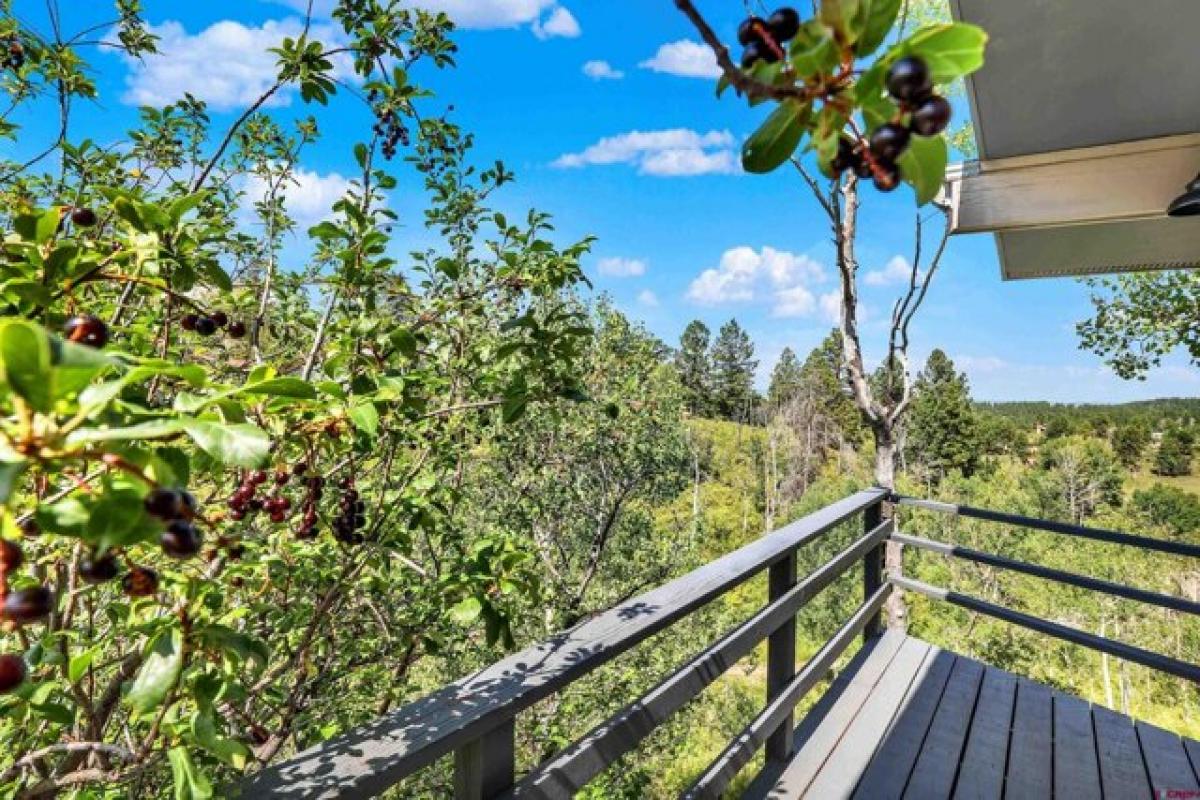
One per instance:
(921,722)
(1076,772)
(981,776)
(1030,751)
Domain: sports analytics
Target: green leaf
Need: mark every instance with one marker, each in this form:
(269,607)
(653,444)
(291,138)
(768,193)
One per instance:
(242,645)
(813,51)
(118,519)
(951,50)
(467,611)
(840,15)
(923,165)
(79,663)
(777,138)
(190,782)
(878,16)
(25,357)
(231,751)
(513,408)
(10,474)
(153,429)
(722,84)
(159,673)
(237,445)
(47,224)
(365,417)
(283,387)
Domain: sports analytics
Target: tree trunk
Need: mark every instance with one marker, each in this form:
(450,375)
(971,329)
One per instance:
(885,477)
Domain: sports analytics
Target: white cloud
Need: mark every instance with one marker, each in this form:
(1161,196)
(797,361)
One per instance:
(479,14)
(308,197)
(684,58)
(896,270)
(831,306)
(744,275)
(672,152)
(559,23)
(981,363)
(648,298)
(227,64)
(601,71)
(621,267)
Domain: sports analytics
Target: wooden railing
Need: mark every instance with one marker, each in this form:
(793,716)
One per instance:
(474,718)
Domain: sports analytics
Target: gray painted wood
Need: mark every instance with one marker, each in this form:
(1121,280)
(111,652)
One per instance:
(766,779)
(933,775)
(873,568)
(371,758)
(1166,761)
(842,768)
(484,768)
(981,776)
(1030,755)
(741,750)
(1076,772)
(820,742)
(1193,750)
(1122,774)
(781,658)
(568,771)
(887,773)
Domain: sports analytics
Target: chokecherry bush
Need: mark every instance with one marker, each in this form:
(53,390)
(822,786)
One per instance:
(216,471)
(874,114)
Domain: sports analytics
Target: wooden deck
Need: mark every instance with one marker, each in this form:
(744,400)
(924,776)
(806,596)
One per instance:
(909,720)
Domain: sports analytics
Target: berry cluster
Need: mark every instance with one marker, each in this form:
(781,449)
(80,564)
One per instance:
(388,127)
(20,607)
(351,515)
(764,40)
(910,84)
(245,500)
(177,509)
(207,325)
(315,485)
(14,54)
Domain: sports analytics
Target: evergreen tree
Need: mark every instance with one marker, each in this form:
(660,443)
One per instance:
(1174,456)
(822,374)
(695,369)
(733,371)
(785,378)
(943,429)
(1129,443)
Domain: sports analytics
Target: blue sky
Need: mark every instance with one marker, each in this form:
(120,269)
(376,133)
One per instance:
(605,110)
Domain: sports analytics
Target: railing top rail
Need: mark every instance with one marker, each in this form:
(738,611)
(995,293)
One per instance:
(1066,528)
(373,757)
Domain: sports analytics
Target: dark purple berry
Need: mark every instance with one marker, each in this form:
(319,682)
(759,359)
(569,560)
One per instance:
(220,319)
(887,176)
(83,217)
(95,569)
(889,141)
(180,540)
(908,80)
(188,323)
(784,24)
(28,605)
(86,329)
(165,504)
(11,556)
(236,330)
(12,672)
(750,31)
(205,326)
(140,582)
(931,117)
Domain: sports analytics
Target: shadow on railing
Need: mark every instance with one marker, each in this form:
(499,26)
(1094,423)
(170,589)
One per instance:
(474,717)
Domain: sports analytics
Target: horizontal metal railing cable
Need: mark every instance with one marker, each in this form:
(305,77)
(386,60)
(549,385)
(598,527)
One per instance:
(571,769)
(1066,528)
(741,750)
(1049,573)
(1128,652)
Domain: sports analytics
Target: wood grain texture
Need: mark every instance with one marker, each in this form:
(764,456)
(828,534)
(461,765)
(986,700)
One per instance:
(937,765)
(981,776)
(1122,773)
(1076,771)
(1030,755)
(1166,761)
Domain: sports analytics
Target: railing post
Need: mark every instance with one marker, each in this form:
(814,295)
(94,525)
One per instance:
(485,768)
(781,656)
(873,568)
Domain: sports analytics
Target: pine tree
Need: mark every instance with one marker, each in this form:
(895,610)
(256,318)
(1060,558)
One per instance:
(1174,456)
(943,431)
(1129,442)
(785,378)
(733,371)
(822,374)
(695,369)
